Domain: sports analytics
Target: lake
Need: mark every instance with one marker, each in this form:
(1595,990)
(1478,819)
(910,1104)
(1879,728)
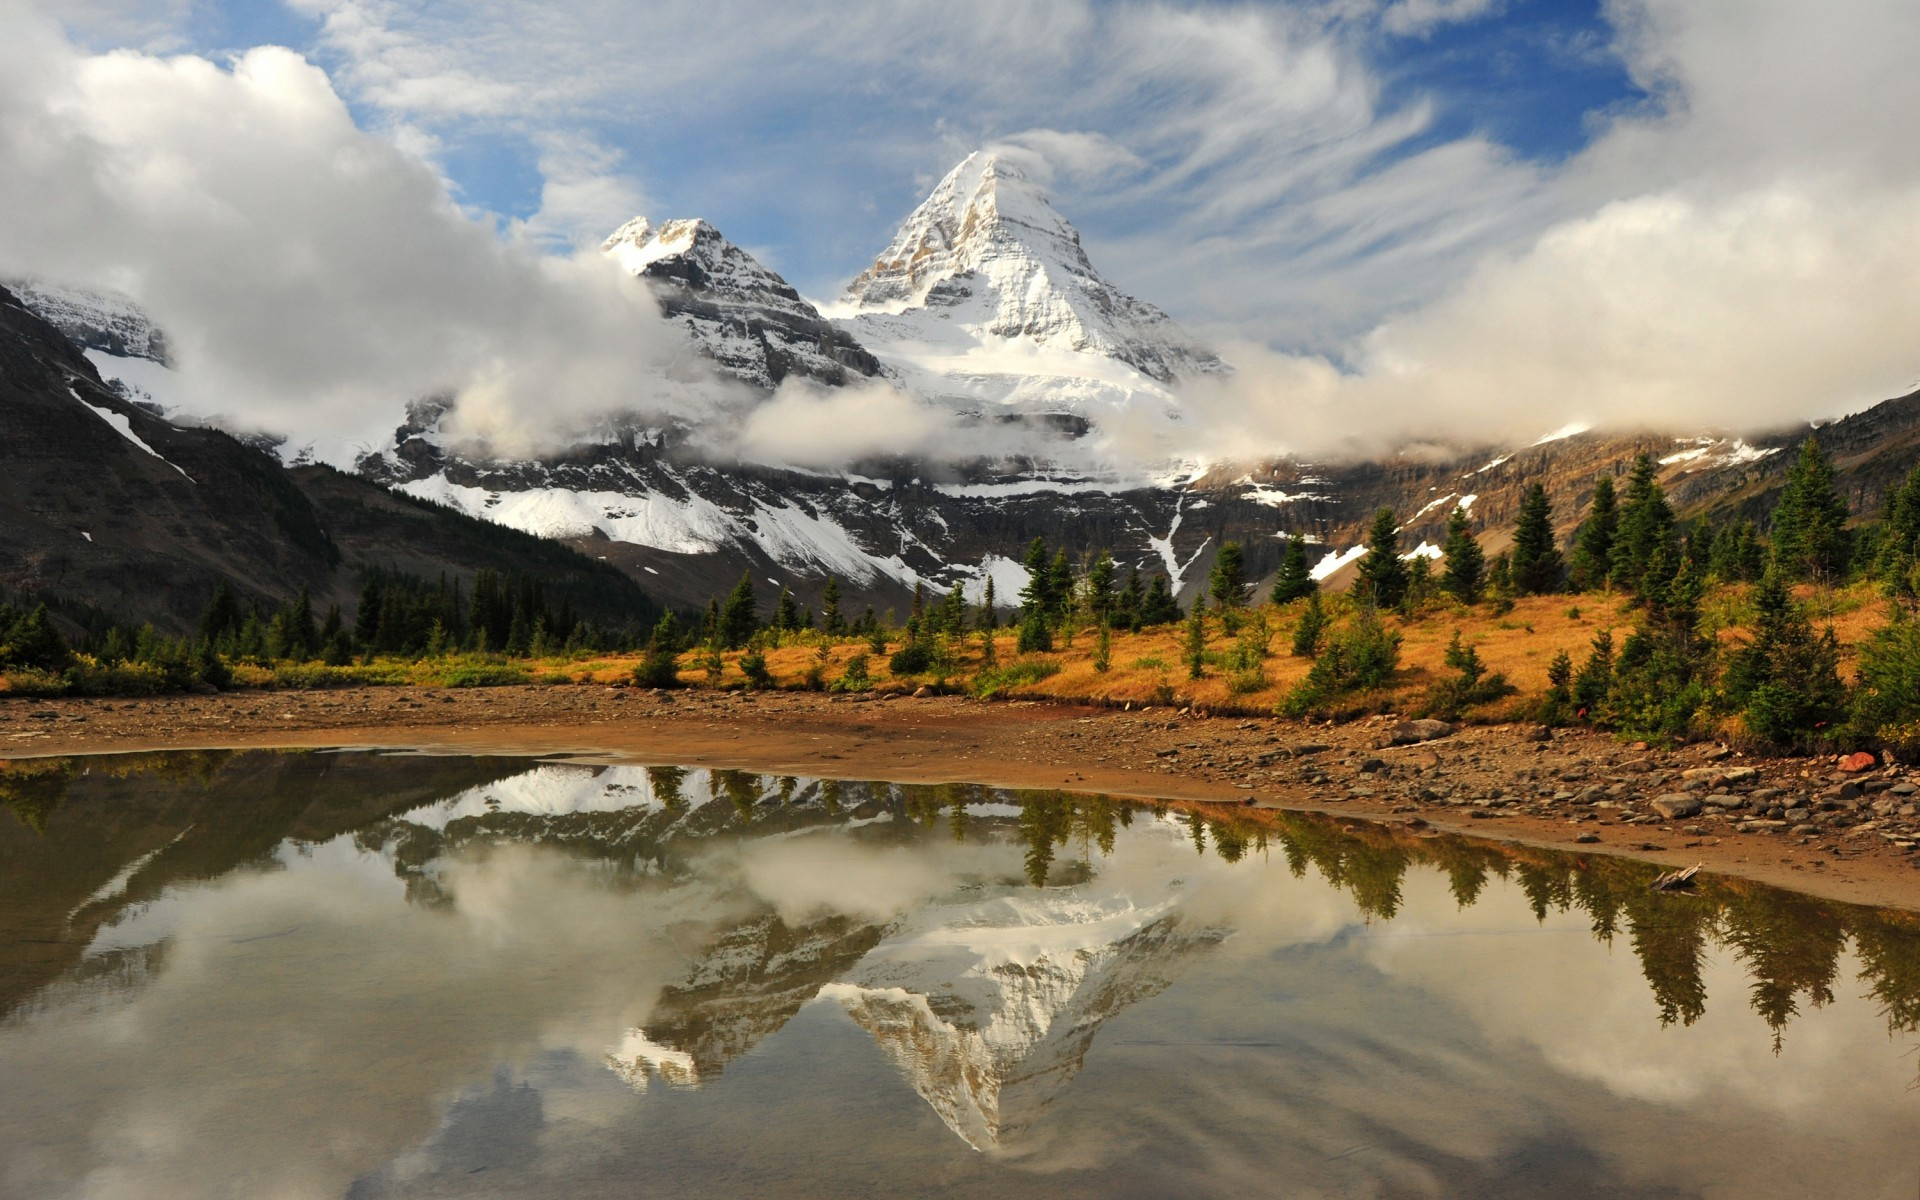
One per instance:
(349,974)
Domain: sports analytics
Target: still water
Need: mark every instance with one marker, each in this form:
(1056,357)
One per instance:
(358,975)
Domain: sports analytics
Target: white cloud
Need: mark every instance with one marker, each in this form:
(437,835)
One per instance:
(804,425)
(1417,17)
(312,277)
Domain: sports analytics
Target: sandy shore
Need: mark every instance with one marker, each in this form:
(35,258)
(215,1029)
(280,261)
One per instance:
(1798,823)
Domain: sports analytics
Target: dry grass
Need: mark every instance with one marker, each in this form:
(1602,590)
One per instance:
(1519,644)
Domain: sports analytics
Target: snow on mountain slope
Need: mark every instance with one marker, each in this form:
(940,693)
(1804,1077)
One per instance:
(988,1008)
(986,295)
(108,322)
(745,317)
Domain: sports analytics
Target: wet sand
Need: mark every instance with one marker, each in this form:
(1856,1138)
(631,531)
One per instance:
(1843,836)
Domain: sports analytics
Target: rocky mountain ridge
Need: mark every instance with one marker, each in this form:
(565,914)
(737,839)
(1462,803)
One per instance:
(746,318)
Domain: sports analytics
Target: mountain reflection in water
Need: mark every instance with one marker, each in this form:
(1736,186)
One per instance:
(372,975)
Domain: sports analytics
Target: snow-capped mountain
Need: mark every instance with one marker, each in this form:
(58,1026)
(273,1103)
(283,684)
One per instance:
(118,337)
(745,317)
(985,295)
(109,322)
(989,1008)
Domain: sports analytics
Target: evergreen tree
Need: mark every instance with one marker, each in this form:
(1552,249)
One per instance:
(786,613)
(1295,579)
(1037,596)
(1595,677)
(1899,541)
(1810,521)
(1383,576)
(1128,604)
(1645,533)
(660,666)
(989,611)
(1312,627)
(740,617)
(1159,608)
(1195,643)
(1227,583)
(1536,565)
(1593,543)
(1735,554)
(1098,587)
(1060,587)
(31,640)
(1035,634)
(1785,682)
(1465,571)
(222,616)
(831,622)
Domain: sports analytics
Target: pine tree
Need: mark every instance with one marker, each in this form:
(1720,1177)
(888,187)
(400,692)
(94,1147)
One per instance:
(1465,571)
(989,612)
(831,622)
(1899,546)
(1159,608)
(222,614)
(660,666)
(1295,579)
(1593,544)
(739,619)
(1312,627)
(1786,681)
(1383,576)
(786,613)
(1099,587)
(1128,604)
(1060,587)
(1810,521)
(1195,643)
(1227,583)
(1037,596)
(1536,564)
(1735,555)
(1645,532)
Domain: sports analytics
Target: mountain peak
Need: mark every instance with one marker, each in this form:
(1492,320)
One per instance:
(986,207)
(740,312)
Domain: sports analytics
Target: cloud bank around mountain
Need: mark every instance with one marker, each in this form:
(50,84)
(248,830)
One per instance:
(309,274)
(1734,252)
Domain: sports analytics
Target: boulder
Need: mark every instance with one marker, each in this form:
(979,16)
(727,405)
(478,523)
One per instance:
(1853,764)
(1409,733)
(1676,804)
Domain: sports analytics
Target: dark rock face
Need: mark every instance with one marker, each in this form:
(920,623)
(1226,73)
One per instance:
(102,321)
(745,317)
(105,505)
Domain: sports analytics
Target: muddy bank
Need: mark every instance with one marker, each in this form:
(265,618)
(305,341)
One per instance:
(1799,823)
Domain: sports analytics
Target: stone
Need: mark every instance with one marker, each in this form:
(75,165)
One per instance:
(1676,804)
(1855,763)
(1587,838)
(1410,733)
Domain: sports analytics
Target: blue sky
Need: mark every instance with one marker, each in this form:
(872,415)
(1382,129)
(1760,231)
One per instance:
(1406,218)
(808,139)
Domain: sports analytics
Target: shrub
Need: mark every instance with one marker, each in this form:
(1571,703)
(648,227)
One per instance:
(1312,627)
(855,678)
(485,674)
(753,664)
(911,659)
(991,683)
(1358,658)
(1035,637)
(660,668)
(1470,684)
(1886,706)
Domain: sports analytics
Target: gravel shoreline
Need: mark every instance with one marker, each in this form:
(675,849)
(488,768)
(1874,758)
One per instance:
(1839,828)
